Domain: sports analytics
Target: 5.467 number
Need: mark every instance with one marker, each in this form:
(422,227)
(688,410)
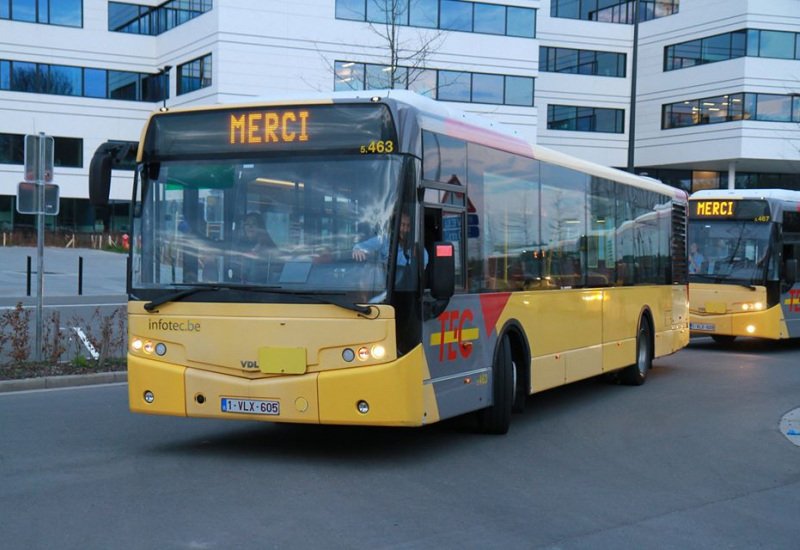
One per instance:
(378,147)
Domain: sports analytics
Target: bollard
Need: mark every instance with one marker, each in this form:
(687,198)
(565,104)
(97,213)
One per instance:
(29,275)
(80,275)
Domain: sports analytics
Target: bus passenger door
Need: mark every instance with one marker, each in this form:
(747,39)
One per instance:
(454,341)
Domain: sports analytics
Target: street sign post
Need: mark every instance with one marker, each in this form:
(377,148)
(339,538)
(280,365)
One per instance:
(32,198)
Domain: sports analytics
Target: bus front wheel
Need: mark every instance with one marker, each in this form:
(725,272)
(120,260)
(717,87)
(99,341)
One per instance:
(497,418)
(636,374)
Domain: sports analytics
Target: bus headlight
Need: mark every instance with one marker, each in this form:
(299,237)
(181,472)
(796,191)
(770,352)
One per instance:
(752,306)
(136,344)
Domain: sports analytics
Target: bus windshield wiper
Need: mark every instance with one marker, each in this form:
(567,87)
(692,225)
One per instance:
(312,295)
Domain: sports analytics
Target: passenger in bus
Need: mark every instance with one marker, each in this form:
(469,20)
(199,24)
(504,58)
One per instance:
(380,244)
(256,247)
(696,259)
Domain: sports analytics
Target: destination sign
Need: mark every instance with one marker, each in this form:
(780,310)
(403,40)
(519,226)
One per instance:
(731,209)
(251,131)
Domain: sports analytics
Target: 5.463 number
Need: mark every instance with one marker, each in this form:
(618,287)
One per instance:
(378,147)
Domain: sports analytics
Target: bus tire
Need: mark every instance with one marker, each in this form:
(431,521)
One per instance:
(723,338)
(636,374)
(497,418)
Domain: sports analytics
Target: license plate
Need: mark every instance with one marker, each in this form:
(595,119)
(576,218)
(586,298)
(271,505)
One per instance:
(251,406)
(701,326)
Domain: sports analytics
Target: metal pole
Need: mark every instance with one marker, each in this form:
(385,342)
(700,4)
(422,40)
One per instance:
(40,251)
(80,275)
(632,110)
(29,275)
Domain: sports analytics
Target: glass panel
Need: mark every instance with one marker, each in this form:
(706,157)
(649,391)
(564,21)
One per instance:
(65,80)
(487,88)
(424,13)
(587,62)
(123,17)
(422,81)
(775,108)
(519,91)
(66,12)
(585,119)
(24,10)
(608,120)
(378,77)
(490,19)
(563,224)
(5,75)
(609,64)
(716,48)
(454,86)
(566,60)
(561,117)
(735,106)
(12,149)
(521,22)
(713,109)
(290,224)
(738,44)
(94,82)
(565,8)
(752,42)
(23,76)
(349,76)
(383,11)
(123,85)
(444,159)
(68,152)
(686,54)
(749,109)
(777,44)
(456,16)
(4,14)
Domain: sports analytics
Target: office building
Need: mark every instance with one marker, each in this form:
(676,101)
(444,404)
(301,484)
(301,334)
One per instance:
(714,91)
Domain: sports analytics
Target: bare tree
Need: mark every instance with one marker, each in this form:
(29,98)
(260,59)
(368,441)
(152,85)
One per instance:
(404,38)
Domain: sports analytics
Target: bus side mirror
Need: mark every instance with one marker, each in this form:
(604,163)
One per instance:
(100,178)
(443,271)
(790,270)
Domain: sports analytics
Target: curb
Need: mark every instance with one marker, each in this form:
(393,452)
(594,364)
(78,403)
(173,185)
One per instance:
(66,381)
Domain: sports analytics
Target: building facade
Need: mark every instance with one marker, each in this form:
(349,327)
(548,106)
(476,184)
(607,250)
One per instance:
(712,93)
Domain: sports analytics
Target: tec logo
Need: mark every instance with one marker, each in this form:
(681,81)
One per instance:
(456,328)
(793,302)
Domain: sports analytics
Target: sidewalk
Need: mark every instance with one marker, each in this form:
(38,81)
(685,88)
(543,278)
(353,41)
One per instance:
(104,274)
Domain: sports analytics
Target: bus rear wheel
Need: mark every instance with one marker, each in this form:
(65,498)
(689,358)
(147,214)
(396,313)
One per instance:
(497,418)
(636,374)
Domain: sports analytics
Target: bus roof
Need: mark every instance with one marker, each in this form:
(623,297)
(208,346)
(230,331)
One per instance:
(447,119)
(774,194)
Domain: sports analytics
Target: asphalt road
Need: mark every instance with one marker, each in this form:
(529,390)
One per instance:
(692,459)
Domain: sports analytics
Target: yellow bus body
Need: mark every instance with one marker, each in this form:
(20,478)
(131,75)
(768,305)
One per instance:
(211,351)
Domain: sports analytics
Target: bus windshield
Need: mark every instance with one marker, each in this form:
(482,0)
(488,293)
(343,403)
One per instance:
(287,225)
(729,252)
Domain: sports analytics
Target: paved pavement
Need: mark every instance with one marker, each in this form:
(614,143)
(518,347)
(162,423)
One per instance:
(104,276)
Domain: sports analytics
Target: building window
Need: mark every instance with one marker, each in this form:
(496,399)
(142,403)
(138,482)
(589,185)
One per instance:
(67,152)
(194,75)
(612,11)
(458,86)
(585,119)
(732,45)
(66,13)
(154,20)
(731,107)
(588,62)
(450,15)
(42,78)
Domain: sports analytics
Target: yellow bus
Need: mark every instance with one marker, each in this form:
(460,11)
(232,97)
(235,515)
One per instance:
(743,251)
(385,259)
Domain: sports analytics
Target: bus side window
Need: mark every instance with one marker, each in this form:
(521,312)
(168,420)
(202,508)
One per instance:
(432,233)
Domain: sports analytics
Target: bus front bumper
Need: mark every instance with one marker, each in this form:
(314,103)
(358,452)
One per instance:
(758,324)
(392,394)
